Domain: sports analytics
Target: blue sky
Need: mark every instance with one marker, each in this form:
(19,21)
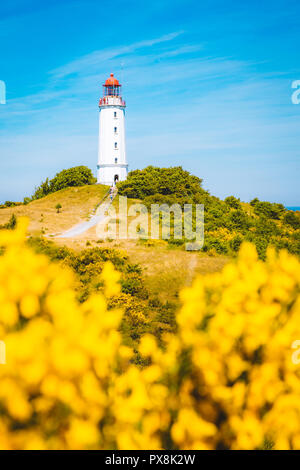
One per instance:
(208,86)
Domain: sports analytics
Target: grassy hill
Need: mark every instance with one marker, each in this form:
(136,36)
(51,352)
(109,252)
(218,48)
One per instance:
(77,204)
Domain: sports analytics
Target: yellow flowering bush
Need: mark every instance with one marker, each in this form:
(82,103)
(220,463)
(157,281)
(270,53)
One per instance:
(225,380)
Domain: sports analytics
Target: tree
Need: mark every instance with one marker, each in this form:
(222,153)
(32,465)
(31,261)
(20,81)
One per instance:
(76,176)
(269,209)
(158,183)
(254,201)
(58,207)
(233,202)
(292,219)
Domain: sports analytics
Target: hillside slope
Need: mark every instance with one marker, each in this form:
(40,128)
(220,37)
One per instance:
(77,204)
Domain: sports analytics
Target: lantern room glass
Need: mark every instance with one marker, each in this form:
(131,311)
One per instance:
(112,90)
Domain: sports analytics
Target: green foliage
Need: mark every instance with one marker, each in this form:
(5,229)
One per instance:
(235,243)
(142,313)
(43,190)
(155,185)
(292,219)
(227,223)
(133,285)
(58,207)
(167,315)
(233,202)
(216,244)
(76,176)
(238,220)
(254,201)
(10,224)
(10,204)
(269,210)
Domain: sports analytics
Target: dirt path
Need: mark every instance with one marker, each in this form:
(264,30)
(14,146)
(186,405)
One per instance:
(99,217)
(191,269)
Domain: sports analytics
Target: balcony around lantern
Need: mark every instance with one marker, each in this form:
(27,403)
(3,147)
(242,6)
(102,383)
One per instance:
(112,101)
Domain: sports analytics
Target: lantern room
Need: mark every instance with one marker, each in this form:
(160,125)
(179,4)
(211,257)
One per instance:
(111,86)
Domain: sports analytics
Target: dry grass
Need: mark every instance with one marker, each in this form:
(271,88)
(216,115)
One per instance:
(77,204)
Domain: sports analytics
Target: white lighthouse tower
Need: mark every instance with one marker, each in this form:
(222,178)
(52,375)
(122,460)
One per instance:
(112,165)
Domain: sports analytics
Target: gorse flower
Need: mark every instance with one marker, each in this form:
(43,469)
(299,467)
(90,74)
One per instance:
(225,380)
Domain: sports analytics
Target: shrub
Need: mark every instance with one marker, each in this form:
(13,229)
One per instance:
(11,224)
(158,183)
(233,202)
(76,176)
(238,219)
(269,210)
(9,204)
(292,219)
(235,243)
(133,285)
(254,201)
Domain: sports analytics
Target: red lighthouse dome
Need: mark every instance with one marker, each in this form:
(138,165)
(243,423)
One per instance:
(112,81)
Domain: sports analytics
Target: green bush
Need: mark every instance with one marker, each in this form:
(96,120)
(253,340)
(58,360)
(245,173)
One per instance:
(239,220)
(76,176)
(233,202)
(254,201)
(292,219)
(235,243)
(269,210)
(133,285)
(177,184)
(58,207)
(10,224)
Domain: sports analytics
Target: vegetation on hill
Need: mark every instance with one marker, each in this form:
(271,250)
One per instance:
(155,185)
(142,312)
(227,223)
(76,176)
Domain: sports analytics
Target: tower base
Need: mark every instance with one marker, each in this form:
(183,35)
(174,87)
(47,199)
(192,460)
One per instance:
(111,174)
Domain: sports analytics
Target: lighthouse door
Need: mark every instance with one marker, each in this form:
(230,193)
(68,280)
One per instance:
(116,179)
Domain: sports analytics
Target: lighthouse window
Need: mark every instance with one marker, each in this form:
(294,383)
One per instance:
(115,114)
(116,145)
(116,160)
(115,129)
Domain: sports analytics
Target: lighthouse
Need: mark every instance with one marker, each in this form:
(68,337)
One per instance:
(112,165)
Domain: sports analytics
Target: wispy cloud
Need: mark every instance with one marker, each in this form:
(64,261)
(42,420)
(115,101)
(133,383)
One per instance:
(91,61)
